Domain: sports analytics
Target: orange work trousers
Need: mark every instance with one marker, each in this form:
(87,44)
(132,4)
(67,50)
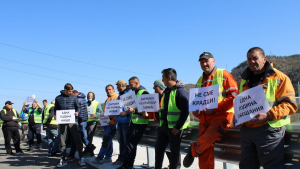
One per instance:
(209,133)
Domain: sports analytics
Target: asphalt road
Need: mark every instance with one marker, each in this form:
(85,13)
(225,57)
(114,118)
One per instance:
(34,159)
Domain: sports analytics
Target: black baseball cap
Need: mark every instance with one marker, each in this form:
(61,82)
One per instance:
(8,102)
(205,55)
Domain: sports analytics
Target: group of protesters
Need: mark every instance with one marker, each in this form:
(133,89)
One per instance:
(262,138)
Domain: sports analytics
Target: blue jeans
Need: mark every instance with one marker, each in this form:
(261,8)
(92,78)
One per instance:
(123,138)
(82,128)
(107,145)
(53,140)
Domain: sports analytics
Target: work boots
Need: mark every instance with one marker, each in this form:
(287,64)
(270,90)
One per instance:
(188,159)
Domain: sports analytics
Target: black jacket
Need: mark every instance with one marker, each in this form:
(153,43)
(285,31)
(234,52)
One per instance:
(8,118)
(182,103)
(64,102)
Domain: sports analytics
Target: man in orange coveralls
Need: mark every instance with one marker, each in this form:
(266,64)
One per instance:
(213,122)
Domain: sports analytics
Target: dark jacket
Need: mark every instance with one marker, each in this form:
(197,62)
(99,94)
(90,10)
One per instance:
(83,114)
(64,102)
(8,118)
(51,114)
(182,104)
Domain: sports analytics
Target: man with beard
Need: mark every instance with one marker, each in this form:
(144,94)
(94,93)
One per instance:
(139,122)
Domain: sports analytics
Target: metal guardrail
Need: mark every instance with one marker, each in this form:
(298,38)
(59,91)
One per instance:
(228,149)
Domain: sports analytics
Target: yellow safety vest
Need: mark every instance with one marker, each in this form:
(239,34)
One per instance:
(217,79)
(37,115)
(173,112)
(270,95)
(137,118)
(47,114)
(95,105)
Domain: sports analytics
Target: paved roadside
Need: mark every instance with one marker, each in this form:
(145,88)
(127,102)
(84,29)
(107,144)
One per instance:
(32,160)
(39,160)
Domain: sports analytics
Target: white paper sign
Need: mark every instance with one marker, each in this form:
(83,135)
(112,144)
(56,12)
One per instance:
(204,98)
(128,100)
(30,99)
(148,102)
(113,108)
(249,103)
(104,120)
(90,110)
(65,116)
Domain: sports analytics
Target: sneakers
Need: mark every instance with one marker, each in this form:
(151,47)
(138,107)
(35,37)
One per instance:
(188,159)
(118,162)
(104,161)
(61,163)
(81,162)
(70,158)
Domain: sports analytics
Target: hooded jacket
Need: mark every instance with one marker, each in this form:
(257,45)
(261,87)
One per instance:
(65,102)
(83,114)
(126,118)
(182,103)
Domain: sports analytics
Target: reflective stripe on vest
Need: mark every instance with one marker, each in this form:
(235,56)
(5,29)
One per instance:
(270,95)
(1,121)
(138,118)
(37,115)
(95,105)
(47,114)
(217,79)
(173,112)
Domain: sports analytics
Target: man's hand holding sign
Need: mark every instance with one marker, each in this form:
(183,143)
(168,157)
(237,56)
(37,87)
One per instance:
(251,105)
(204,99)
(65,116)
(113,107)
(212,104)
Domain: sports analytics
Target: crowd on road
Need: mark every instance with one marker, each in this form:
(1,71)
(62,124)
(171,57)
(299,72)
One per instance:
(262,142)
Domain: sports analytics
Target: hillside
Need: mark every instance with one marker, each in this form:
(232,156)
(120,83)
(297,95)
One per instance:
(290,65)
